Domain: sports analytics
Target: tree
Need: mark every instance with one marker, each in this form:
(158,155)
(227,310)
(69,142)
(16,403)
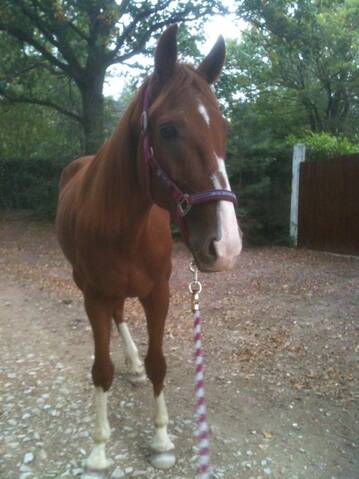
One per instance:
(29,131)
(77,41)
(294,70)
(311,48)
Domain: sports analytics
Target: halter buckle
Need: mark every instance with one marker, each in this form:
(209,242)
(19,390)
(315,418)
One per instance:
(184,205)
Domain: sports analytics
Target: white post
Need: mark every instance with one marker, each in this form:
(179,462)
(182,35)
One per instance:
(298,157)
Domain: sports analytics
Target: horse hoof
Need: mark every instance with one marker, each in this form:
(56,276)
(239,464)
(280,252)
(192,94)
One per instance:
(137,378)
(163,460)
(92,475)
(96,463)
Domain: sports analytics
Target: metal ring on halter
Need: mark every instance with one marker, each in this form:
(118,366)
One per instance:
(184,205)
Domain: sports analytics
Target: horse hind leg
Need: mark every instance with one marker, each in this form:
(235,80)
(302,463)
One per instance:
(136,369)
(156,308)
(99,314)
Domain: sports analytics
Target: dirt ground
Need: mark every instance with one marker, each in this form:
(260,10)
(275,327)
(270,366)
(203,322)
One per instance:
(280,343)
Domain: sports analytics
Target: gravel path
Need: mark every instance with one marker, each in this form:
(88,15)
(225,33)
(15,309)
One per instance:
(281,345)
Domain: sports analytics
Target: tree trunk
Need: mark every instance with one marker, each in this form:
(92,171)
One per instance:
(93,114)
(315,120)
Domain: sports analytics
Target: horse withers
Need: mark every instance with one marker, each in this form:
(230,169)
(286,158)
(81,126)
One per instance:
(165,157)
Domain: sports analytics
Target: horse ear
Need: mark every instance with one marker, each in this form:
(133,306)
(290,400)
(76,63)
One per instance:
(211,66)
(166,54)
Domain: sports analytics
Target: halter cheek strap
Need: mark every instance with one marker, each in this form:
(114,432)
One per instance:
(183,201)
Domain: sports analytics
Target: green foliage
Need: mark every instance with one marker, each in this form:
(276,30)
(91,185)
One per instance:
(310,48)
(293,77)
(29,131)
(321,146)
(259,159)
(262,184)
(295,70)
(30,185)
(75,42)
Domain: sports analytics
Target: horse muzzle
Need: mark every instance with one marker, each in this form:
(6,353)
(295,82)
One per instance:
(215,255)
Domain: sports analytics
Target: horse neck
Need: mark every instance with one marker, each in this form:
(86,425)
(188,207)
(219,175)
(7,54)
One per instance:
(112,186)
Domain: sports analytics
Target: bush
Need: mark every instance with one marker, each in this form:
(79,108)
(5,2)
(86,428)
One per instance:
(30,185)
(321,146)
(262,182)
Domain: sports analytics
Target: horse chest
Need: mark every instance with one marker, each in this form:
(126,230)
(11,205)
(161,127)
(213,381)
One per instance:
(117,275)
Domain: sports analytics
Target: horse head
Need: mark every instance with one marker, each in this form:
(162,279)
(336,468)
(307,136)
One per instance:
(188,140)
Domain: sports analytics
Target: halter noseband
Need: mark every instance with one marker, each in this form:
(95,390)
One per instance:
(183,201)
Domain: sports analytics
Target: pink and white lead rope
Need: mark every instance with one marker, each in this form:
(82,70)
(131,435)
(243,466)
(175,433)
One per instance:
(202,433)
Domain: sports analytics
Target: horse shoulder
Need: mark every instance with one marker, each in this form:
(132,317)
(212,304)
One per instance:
(71,169)
(66,213)
(159,240)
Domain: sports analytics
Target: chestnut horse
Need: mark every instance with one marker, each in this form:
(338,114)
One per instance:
(113,219)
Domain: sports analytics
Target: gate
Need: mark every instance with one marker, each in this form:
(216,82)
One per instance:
(328,216)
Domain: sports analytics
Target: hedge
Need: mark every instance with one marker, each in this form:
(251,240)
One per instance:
(262,186)
(30,185)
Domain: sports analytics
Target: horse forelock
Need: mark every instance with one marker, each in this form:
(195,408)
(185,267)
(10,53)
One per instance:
(184,78)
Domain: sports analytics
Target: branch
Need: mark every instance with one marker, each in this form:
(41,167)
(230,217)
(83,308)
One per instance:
(21,72)
(79,32)
(47,103)
(128,30)
(141,42)
(25,37)
(126,33)
(124,5)
(69,22)
(133,66)
(175,17)
(53,32)
(39,24)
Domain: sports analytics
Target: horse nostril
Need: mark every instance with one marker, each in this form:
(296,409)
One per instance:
(212,252)
(206,251)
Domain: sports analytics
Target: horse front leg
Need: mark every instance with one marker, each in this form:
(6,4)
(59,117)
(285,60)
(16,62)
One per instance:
(136,369)
(156,308)
(99,313)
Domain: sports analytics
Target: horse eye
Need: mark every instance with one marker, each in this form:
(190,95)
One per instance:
(168,131)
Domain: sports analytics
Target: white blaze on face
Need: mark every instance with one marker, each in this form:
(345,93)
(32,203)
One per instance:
(203,111)
(229,244)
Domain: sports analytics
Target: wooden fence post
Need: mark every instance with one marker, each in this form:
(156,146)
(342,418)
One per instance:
(298,157)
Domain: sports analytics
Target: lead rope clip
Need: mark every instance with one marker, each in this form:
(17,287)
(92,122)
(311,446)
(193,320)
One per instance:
(195,287)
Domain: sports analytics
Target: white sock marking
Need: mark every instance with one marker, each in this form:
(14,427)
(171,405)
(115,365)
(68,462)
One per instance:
(97,459)
(161,441)
(102,427)
(131,351)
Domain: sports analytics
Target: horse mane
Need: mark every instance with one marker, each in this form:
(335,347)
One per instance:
(110,182)
(109,179)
